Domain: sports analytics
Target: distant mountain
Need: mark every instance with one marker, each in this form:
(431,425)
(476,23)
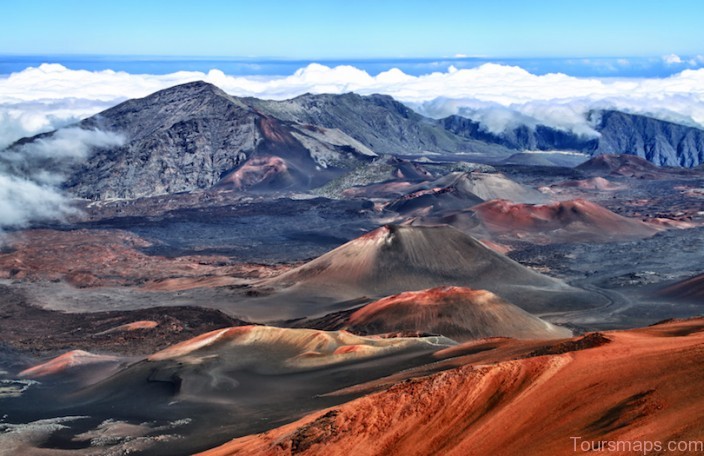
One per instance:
(660,142)
(521,138)
(378,121)
(195,136)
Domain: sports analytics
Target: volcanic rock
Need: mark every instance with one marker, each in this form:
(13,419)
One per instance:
(565,221)
(393,259)
(458,313)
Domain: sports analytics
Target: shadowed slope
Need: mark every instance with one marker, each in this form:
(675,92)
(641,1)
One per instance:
(222,365)
(643,385)
(460,190)
(232,381)
(688,289)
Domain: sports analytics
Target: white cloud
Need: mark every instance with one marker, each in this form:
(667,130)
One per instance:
(23,201)
(28,118)
(672,59)
(67,143)
(38,99)
(30,175)
(697,60)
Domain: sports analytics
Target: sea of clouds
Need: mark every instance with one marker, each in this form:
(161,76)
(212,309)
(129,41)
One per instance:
(51,96)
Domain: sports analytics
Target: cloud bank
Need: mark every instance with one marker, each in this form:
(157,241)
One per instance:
(499,96)
(31,174)
(23,202)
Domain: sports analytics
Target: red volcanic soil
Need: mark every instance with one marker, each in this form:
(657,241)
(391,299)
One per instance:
(688,289)
(133,326)
(91,258)
(565,221)
(454,312)
(74,358)
(627,386)
(257,170)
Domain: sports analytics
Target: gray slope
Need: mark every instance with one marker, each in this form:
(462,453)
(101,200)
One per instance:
(393,259)
(661,142)
(378,121)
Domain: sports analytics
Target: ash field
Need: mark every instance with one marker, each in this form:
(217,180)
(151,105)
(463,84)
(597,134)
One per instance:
(338,273)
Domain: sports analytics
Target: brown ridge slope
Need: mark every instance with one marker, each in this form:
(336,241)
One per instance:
(43,332)
(393,259)
(455,312)
(620,164)
(69,360)
(565,221)
(275,350)
(488,186)
(94,258)
(643,385)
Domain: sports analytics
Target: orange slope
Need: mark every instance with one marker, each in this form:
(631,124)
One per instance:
(455,312)
(643,386)
(565,221)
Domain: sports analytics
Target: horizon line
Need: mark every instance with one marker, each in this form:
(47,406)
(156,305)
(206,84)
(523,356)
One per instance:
(457,57)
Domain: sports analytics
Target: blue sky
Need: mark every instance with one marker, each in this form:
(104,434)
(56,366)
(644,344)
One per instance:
(353,29)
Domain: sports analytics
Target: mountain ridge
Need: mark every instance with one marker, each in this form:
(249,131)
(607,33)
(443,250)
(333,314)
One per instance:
(195,136)
(661,142)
